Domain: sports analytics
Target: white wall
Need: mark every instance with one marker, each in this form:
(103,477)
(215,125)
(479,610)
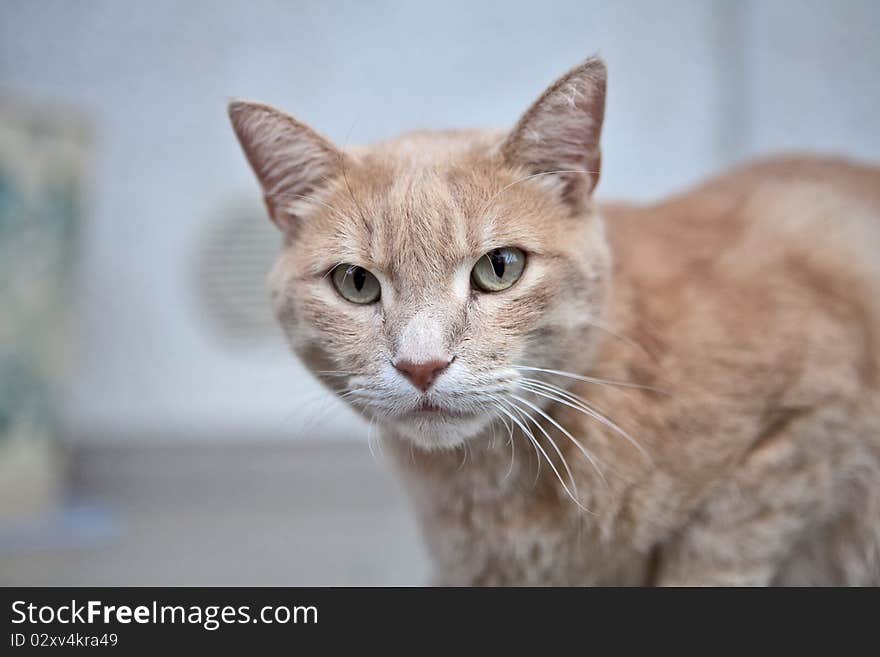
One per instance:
(693,85)
(812,76)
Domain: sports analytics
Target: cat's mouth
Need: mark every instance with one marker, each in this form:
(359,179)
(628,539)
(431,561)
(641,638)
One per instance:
(433,425)
(428,410)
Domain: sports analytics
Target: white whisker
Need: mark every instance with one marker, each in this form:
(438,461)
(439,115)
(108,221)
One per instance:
(530,177)
(582,449)
(547,436)
(464,452)
(510,440)
(529,434)
(588,379)
(370,441)
(562,397)
(626,340)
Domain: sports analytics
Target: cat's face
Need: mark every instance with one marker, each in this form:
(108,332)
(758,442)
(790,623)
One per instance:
(420,278)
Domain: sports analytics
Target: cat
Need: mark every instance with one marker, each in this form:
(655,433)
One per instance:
(676,394)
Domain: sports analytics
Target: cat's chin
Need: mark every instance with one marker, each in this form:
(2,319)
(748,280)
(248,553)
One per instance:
(439,432)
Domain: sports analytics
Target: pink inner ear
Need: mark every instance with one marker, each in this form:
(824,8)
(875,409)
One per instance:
(290,160)
(563,146)
(561,131)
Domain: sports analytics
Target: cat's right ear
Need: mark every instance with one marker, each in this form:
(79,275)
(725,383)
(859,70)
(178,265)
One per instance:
(558,137)
(291,161)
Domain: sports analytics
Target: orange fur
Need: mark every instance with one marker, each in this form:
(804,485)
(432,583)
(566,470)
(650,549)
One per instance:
(732,434)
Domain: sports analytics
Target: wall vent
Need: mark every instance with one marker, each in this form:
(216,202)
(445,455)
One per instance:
(238,250)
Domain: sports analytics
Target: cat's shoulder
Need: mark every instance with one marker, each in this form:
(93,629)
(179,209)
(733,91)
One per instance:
(763,212)
(779,247)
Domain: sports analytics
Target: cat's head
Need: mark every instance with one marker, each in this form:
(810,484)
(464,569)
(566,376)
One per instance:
(421,277)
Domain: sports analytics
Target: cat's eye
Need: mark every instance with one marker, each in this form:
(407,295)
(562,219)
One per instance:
(356,284)
(498,269)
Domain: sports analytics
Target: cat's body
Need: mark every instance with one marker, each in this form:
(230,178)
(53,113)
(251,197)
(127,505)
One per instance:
(751,310)
(732,434)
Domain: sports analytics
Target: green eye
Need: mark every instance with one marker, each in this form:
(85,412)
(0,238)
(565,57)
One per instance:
(356,284)
(498,269)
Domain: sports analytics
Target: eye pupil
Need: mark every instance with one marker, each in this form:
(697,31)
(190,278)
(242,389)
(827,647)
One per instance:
(359,277)
(498,269)
(356,284)
(499,262)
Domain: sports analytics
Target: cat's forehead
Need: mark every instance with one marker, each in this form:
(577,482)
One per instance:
(411,220)
(407,216)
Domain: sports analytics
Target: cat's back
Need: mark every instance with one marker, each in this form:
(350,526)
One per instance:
(755,297)
(790,238)
(810,204)
(762,285)
(824,212)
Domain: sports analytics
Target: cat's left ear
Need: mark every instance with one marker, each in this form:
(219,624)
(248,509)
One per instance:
(558,137)
(291,161)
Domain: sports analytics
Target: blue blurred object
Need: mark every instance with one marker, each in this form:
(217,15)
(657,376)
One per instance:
(75,526)
(43,163)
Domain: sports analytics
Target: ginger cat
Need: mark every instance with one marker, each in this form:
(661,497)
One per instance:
(683,393)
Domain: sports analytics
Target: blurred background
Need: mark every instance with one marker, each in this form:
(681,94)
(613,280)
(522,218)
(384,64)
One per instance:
(153,427)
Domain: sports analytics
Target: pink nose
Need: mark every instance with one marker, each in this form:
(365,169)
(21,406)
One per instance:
(422,375)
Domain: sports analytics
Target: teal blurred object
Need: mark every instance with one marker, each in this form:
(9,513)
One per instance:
(43,164)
